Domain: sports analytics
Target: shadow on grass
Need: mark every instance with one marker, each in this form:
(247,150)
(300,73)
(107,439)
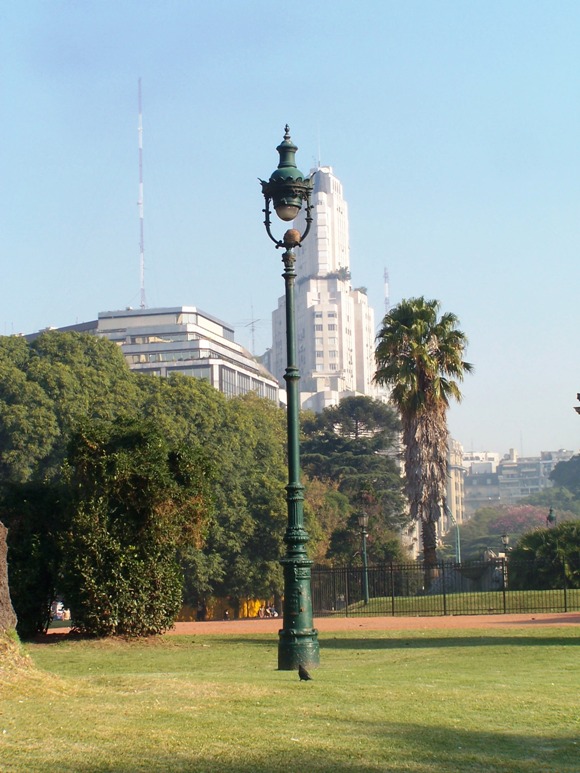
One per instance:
(330,641)
(404,642)
(390,747)
(394,640)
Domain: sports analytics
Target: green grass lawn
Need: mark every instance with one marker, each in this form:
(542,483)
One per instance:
(487,602)
(422,701)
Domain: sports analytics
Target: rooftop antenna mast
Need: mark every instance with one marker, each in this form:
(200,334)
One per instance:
(143,302)
(252,326)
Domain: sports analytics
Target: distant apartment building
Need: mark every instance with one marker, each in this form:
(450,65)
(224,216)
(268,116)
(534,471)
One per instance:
(183,340)
(490,480)
(455,482)
(335,326)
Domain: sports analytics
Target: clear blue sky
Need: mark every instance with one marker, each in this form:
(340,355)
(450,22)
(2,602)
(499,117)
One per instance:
(453,126)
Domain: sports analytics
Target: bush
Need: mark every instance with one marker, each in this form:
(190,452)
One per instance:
(547,558)
(134,502)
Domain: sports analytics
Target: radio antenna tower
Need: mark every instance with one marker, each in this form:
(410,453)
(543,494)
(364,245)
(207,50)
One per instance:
(387,299)
(143,303)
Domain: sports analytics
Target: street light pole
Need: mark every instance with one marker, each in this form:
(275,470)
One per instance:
(363,522)
(505,541)
(287,189)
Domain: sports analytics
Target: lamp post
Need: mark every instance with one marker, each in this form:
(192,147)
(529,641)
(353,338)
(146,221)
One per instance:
(505,541)
(363,522)
(551,518)
(287,189)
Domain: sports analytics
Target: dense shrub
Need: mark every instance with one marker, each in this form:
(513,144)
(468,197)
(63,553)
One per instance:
(547,558)
(134,502)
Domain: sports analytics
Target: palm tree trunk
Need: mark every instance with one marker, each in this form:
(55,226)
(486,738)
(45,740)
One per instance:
(429,535)
(425,438)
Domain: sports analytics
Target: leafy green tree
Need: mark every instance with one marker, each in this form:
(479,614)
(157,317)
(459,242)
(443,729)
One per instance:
(558,497)
(28,426)
(419,357)
(567,475)
(184,409)
(547,558)
(352,445)
(135,500)
(240,556)
(47,387)
(32,511)
(51,388)
(326,510)
(383,543)
(485,529)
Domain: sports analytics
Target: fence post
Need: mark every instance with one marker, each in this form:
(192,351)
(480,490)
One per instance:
(347,593)
(443,586)
(392,591)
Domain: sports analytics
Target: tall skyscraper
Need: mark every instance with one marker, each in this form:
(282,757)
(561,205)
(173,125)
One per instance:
(335,326)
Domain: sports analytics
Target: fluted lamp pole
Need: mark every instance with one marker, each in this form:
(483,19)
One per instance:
(363,522)
(288,189)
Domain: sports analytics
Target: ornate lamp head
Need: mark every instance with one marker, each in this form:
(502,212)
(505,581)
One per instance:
(287,189)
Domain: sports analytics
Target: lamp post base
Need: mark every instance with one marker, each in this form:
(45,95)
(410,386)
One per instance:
(298,648)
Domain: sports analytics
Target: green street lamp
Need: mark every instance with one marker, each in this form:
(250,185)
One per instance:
(363,522)
(287,189)
(551,518)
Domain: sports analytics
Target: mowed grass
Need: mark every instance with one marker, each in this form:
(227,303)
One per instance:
(421,701)
(488,602)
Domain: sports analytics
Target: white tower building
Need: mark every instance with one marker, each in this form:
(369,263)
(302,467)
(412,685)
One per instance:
(335,326)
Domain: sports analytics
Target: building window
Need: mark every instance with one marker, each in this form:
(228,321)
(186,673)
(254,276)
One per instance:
(227,381)
(258,387)
(333,366)
(204,374)
(319,355)
(333,354)
(332,313)
(271,393)
(244,383)
(319,328)
(318,314)
(332,327)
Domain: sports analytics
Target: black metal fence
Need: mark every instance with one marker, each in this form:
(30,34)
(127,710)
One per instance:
(473,588)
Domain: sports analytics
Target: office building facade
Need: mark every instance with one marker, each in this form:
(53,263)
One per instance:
(184,340)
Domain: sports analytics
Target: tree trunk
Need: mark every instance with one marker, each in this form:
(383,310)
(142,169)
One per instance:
(429,535)
(425,438)
(7,614)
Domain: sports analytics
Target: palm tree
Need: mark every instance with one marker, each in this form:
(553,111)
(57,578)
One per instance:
(420,357)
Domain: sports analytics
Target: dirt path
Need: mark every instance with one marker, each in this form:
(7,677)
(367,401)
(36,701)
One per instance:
(324,624)
(329,624)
